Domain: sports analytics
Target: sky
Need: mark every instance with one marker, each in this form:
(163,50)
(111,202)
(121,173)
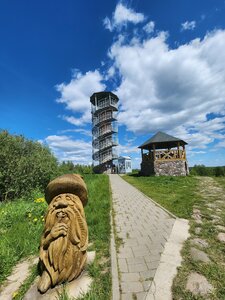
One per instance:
(165,60)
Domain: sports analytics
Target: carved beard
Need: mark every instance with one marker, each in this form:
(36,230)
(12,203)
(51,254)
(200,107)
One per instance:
(66,255)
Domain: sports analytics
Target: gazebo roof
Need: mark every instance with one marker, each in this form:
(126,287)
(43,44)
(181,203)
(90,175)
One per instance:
(162,140)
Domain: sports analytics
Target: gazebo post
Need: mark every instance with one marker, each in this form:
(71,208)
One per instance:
(153,151)
(184,152)
(178,148)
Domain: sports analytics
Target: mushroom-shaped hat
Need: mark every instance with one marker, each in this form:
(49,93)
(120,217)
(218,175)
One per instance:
(67,183)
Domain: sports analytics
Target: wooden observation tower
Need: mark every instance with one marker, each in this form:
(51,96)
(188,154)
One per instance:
(104,130)
(164,154)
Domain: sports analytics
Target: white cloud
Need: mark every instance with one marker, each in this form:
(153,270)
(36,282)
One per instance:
(163,88)
(85,118)
(200,134)
(121,16)
(108,24)
(149,27)
(188,25)
(221,144)
(66,148)
(128,149)
(110,73)
(76,94)
(77,130)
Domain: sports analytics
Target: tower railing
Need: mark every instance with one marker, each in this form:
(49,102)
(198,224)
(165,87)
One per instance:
(171,154)
(103,103)
(107,144)
(108,157)
(104,117)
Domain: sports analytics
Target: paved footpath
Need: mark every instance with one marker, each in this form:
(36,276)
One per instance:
(144,229)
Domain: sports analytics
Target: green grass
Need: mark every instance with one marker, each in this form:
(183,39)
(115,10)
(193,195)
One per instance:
(176,194)
(21,226)
(98,219)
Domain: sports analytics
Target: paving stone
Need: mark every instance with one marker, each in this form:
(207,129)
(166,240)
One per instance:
(125,253)
(199,222)
(131,287)
(139,248)
(196,216)
(198,230)
(220,201)
(140,296)
(198,285)
(141,253)
(152,258)
(196,211)
(216,217)
(136,260)
(152,265)
(199,242)
(222,228)
(216,221)
(127,296)
(130,277)
(198,255)
(146,284)
(137,267)
(212,205)
(122,265)
(147,275)
(131,242)
(221,237)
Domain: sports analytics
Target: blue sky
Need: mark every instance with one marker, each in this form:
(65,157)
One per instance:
(164,59)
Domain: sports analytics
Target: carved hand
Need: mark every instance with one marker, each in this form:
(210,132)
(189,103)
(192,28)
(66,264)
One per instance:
(60,229)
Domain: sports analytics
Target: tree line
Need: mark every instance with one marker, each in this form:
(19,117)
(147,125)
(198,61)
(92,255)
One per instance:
(202,170)
(26,165)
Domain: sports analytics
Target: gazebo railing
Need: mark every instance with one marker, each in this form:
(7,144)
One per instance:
(174,154)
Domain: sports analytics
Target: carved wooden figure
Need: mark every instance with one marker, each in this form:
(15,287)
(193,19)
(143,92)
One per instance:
(63,249)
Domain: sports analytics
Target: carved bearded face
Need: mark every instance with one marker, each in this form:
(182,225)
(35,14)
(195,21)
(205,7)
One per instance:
(62,209)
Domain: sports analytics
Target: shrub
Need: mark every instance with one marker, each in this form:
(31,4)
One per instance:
(24,165)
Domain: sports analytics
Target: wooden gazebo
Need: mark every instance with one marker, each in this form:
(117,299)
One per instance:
(164,154)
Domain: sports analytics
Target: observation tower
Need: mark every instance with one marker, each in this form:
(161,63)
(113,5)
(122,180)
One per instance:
(104,131)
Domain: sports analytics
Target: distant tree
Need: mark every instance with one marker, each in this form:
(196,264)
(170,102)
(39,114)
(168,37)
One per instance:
(219,171)
(69,167)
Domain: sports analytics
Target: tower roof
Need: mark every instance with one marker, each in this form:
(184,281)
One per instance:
(100,95)
(162,140)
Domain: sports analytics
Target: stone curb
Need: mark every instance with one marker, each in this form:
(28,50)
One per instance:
(114,267)
(19,274)
(170,260)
